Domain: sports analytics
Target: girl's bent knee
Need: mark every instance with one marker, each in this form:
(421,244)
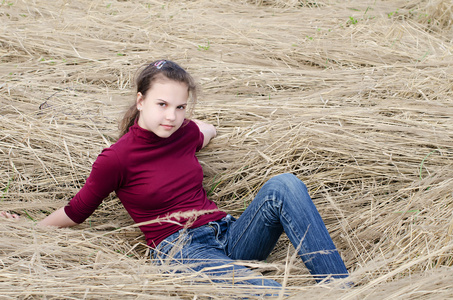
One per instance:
(288,179)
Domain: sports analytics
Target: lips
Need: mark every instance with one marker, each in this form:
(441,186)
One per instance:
(168,127)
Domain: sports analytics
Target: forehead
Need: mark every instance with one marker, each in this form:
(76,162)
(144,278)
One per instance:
(169,91)
(162,80)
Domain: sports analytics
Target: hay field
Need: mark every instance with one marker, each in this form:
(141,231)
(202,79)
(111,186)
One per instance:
(354,97)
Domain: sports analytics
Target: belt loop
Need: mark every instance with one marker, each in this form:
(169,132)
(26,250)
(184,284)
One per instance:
(216,227)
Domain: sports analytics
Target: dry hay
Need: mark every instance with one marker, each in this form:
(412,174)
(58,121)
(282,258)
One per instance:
(354,97)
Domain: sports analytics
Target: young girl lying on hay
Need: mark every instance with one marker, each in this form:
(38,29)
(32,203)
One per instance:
(156,175)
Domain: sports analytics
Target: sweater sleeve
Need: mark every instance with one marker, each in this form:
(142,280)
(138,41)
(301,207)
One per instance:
(200,138)
(105,177)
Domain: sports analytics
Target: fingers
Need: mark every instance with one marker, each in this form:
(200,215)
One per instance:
(7,215)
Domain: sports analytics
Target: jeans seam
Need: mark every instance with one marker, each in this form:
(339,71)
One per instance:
(295,233)
(230,250)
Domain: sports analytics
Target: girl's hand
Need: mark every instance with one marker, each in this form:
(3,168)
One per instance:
(208,131)
(7,215)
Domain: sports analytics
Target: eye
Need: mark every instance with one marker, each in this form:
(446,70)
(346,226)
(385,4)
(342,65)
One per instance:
(181,107)
(162,104)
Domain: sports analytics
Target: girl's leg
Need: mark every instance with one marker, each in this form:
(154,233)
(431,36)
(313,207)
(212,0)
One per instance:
(202,250)
(283,203)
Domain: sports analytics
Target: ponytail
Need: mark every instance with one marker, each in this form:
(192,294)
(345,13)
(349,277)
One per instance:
(128,120)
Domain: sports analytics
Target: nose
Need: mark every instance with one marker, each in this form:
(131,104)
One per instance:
(171,114)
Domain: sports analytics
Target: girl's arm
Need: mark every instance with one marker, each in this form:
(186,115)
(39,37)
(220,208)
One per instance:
(58,219)
(105,176)
(208,131)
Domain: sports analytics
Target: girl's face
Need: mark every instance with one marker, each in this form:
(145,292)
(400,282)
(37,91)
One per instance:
(163,109)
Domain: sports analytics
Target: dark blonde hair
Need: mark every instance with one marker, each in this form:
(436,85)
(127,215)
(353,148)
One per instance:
(147,76)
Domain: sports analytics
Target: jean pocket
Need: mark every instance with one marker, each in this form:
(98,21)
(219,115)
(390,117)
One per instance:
(164,247)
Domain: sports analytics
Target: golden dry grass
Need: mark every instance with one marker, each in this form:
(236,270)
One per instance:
(353,97)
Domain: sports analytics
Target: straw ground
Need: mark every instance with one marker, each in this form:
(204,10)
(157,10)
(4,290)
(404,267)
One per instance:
(354,97)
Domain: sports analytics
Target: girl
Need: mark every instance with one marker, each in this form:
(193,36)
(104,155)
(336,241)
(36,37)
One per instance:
(156,175)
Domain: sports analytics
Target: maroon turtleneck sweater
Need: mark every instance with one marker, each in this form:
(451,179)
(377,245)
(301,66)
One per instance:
(153,177)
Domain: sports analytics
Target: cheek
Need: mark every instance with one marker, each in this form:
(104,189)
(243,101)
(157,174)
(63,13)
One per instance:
(154,112)
(181,113)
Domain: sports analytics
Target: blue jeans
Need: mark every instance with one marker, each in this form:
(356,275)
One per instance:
(282,204)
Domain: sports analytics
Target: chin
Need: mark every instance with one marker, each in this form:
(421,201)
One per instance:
(165,135)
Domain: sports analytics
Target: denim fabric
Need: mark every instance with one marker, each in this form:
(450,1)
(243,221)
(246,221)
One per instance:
(282,204)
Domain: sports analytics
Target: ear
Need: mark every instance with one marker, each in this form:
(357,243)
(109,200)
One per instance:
(139,100)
